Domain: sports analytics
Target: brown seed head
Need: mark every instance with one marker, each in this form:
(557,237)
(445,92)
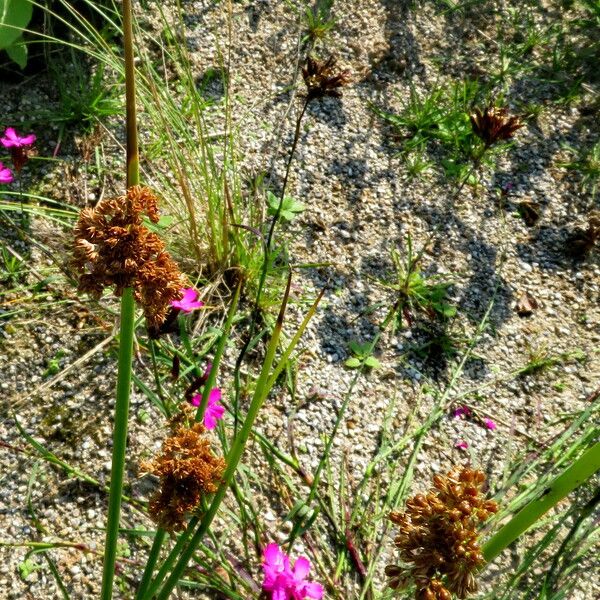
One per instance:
(438,536)
(493,124)
(187,469)
(113,248)
(323,79)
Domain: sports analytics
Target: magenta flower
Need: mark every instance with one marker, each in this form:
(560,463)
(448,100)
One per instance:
(489,424)
(6,175)
(282,582)
(461,411)
(188,302)
(12,139)
(461,445)
(214,411)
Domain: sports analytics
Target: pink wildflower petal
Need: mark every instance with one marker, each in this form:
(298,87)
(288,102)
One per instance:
(313,590)
(490,424)
(214,396)
(462,445)
(28,139)
(12,139)
(6,175)
(279,593)
(188,301)
(273,555)
(196,399)
(462,411)
(214,411)
(301,568)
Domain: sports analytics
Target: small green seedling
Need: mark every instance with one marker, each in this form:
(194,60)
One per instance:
(416,292)
(290,208)
(27,567)
(362,356)
(54,364)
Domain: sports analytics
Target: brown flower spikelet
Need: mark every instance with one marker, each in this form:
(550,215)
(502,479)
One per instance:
(187,469)
(493,124)
(437,537)
(323,79)
(114,249)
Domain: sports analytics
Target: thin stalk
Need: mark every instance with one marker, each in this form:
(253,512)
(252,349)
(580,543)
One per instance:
(262,389)
(234,456)
(152,560)
(581,470)
(133,158)
(212,376)
(126,333)
(119,441)
(267,248)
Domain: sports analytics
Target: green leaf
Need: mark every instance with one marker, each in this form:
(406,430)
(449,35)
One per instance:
(372,362)
(27,567)
(18,53)
(353,363)
(447,310)
(290,208)
(14,17)
(355,347)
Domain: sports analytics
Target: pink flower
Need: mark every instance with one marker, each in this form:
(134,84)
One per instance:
(214,411)
(188,302)
(6,175)
(461,445)
(461,411)
(489,424)
(12,139)
(287,583)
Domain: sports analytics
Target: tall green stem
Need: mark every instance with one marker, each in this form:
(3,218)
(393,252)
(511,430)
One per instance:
(233,458)
(126,334)
(133,159)
(581,470)
(119,441)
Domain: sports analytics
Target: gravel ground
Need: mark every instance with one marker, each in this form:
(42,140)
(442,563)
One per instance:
(360,203)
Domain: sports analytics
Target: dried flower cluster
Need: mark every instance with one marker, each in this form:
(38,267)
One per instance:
(188,469)
(493,124)
(114,248)
(438,537)
(322,78)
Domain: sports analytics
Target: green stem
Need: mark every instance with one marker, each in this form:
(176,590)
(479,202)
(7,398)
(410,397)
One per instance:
(212,376)
(127,331)
(168,563)
(152,560)
(119,441)
(133,160)
(581,470)
(234,456)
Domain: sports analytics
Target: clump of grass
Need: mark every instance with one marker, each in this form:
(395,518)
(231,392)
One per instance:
(437,124)
(586,164)
(416,293)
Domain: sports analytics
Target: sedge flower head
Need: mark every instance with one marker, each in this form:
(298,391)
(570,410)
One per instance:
(12,139)
(214,410)
(6,175)
(188,302)
(284,582)
(114,249)
(438,537)
(188,470)
(489,424)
